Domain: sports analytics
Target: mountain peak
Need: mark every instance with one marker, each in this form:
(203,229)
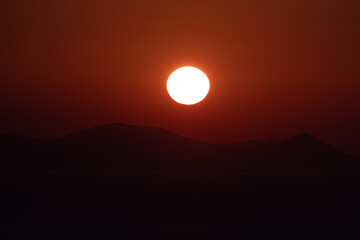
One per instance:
(306,142)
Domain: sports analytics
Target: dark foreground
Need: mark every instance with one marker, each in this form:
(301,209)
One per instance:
(165,206)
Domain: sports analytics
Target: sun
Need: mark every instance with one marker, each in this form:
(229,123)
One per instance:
(188,85)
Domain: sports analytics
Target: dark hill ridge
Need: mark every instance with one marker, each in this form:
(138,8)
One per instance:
(121,147)
(118,136)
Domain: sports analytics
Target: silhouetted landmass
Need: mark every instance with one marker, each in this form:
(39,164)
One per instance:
(121,147)
(129,182)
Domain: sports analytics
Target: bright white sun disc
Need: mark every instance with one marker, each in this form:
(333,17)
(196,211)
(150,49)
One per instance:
(188,85)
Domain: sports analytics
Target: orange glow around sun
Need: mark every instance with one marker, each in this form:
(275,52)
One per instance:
(188,85)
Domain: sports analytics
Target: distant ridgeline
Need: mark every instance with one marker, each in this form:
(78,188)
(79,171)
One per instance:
(126,148)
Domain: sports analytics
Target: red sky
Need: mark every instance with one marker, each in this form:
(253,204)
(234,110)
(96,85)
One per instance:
(276,68)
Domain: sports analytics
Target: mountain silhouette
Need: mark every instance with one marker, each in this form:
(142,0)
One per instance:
(121,147)
(130,182)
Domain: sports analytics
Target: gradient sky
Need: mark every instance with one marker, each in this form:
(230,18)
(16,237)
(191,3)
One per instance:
(276,68)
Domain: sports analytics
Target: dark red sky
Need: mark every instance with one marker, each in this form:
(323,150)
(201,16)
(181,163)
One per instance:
(276,68)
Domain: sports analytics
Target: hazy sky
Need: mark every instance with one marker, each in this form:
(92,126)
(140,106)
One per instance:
(276,68)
